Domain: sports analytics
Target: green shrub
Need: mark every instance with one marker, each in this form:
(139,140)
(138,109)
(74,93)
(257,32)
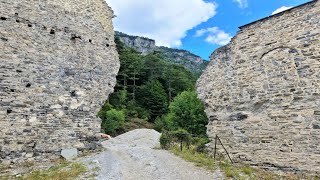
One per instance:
(166,140)
(200,143)
(135,111)
(180,136)
(118,99)
(163,124)
(103,111)
(142,113)
(187,112)
(113,121)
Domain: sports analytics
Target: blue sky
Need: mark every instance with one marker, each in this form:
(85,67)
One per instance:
(199,26)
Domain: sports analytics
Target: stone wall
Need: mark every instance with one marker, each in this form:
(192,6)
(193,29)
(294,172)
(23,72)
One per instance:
(262,91)
(58,64)
(96,9)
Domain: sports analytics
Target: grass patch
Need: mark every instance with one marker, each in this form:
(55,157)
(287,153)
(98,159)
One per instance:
(229,171)
(233,171)
(200,159)
(247,170)
(62,171)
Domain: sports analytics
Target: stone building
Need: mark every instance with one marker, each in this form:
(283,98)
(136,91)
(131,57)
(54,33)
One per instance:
(58,64)
(262,91)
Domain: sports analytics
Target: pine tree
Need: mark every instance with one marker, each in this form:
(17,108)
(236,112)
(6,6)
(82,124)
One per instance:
(154,98)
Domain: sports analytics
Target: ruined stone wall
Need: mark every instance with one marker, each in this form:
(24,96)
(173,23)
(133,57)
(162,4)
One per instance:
(97,9)
(57,66)
(262,91)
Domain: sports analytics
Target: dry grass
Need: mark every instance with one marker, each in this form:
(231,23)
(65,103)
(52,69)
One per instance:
(200,159)
(136,123)
(63,171)
(235,171)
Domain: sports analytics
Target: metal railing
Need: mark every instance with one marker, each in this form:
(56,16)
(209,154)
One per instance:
(215,148)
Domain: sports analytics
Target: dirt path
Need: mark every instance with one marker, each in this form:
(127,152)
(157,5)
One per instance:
(132,156)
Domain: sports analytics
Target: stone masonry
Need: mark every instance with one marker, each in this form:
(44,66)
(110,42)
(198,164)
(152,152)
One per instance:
(262,91)
(58,64)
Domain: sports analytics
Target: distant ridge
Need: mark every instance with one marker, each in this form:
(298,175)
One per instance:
(146,46)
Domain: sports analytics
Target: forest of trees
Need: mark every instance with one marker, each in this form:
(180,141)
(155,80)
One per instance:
(155,92)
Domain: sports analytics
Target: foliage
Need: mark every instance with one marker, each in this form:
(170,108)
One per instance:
(166,140)
(181,136)
(114,119)
(186,112)
(137,71)
(145,87)
(154,98)
(177,80)
(162,124)
(135,111)
(118,99)
(103,111)
(200,143)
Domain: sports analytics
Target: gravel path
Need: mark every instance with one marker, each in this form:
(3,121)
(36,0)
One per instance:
(132,156)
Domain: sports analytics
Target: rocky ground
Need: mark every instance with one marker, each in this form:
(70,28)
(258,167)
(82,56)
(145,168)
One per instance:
(136,155)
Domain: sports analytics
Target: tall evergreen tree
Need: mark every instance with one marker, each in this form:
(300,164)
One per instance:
(154,98)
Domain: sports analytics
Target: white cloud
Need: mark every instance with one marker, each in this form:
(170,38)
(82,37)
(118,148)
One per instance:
(200,32)
(242,3)
(166,21)
(283,8)
(214,36)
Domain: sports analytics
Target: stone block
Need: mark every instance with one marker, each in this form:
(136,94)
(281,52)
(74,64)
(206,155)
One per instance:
(69,154)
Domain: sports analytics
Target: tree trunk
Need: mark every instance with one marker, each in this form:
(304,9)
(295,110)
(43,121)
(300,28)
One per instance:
(134,87)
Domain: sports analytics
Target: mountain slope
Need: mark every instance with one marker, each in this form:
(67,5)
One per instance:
(146,46)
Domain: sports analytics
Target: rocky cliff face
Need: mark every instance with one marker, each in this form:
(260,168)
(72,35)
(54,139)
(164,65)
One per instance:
(57,66)
(146,46)
(262,91)
(140,44)
(185,58)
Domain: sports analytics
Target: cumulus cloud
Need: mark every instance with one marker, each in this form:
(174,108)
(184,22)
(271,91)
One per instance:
(214,35)
(242,3)
(166,21)
(283,8)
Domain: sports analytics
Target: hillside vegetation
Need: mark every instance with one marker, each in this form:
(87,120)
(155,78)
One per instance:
(152,92)
(181,57)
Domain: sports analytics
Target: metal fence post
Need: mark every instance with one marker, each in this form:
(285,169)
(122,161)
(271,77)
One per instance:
(215,148)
